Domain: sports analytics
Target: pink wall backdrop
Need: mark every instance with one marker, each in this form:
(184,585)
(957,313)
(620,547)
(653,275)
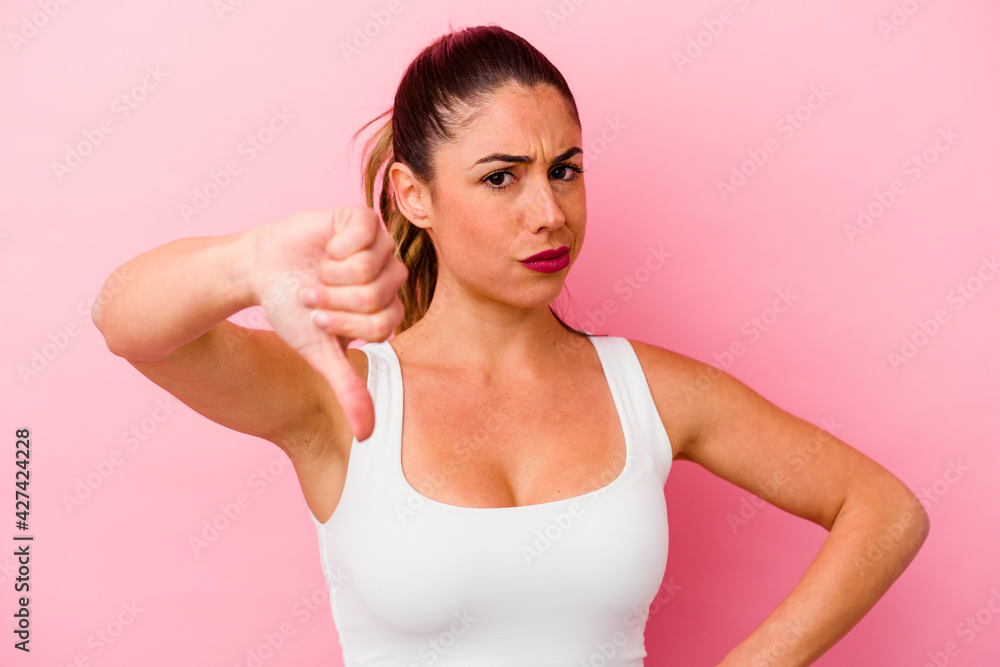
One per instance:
(821,176)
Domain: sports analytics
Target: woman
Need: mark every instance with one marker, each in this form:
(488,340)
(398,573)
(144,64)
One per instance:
(510,510)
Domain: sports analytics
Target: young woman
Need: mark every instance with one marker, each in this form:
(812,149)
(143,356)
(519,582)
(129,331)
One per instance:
(487,485)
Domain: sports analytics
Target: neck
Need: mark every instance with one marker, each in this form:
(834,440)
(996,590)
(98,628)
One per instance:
(486,337)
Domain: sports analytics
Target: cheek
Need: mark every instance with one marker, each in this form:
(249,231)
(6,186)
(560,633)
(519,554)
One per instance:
(472,234)
(575,210)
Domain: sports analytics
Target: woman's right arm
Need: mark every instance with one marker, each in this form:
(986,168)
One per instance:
(165,312)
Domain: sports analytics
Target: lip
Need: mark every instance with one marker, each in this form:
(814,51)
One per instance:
(548,261)
(547,254)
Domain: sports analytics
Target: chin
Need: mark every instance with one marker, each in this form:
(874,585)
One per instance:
(539,297)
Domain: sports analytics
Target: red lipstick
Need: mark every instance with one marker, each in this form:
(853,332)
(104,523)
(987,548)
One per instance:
(548,261)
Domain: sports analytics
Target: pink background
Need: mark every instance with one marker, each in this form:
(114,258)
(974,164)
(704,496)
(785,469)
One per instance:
(660,135)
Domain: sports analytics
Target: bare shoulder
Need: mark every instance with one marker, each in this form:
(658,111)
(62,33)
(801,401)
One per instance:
(675,381)
(734,432)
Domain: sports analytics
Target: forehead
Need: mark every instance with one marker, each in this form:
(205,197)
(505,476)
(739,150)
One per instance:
(518,119)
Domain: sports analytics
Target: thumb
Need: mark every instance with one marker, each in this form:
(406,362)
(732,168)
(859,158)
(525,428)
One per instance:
(351,391)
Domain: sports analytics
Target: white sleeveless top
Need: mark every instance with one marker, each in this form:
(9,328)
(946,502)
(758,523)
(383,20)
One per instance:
(414,581)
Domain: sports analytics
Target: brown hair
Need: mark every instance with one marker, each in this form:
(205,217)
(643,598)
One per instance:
(453,75)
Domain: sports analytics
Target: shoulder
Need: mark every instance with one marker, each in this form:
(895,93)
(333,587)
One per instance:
(680,387)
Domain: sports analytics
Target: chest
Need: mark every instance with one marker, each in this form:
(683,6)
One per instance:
(489,446)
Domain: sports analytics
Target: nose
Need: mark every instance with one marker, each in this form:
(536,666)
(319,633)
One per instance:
(546,211)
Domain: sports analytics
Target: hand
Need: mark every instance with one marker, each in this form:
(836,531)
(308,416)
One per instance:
(345,258)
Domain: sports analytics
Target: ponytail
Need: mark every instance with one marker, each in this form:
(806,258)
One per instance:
(413,245)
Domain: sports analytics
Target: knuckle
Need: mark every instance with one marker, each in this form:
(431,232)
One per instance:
(327,297)
(363,266)
(374,298)
(382,325)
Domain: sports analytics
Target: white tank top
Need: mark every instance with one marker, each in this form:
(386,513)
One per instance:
(415,582)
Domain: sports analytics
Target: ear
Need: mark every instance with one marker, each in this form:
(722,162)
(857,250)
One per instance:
(412,197)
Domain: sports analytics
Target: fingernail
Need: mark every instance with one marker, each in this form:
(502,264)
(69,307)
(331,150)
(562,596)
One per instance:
(320,319)
(308,297)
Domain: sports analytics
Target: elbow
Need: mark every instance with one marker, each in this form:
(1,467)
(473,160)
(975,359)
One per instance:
(99,318)
(105,324)
(923,526)
(913,510)
(95,316)
(912,523)
(913,514)
(102,311)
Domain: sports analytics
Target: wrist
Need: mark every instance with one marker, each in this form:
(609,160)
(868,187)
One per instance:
(245,291)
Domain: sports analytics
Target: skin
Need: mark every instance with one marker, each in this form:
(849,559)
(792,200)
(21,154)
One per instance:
(489,347)
(497,314)
(497,323)
(488,335)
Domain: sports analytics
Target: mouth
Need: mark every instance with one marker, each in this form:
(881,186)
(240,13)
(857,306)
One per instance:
(548,254)
(548,261)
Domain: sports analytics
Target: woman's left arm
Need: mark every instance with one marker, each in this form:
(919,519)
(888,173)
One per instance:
(876,523)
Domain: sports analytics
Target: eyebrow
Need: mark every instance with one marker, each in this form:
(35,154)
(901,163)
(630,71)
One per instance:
(524,159)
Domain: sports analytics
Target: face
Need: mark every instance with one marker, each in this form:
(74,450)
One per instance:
(510,186)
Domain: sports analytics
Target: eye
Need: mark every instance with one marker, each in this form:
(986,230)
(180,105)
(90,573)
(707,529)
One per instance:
(570,169)
(493,184)
(563,172)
